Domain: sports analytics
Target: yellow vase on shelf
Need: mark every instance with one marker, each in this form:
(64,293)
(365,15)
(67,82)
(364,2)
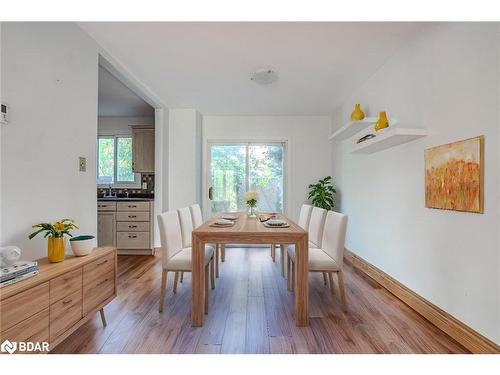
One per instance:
(357,114)
(382,122)
(56,249)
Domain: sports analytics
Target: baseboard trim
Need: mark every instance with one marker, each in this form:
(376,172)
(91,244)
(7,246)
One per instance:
(462,333)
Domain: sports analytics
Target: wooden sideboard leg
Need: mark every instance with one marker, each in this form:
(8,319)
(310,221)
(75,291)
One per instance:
(103,318)
(182,277)
(273,252)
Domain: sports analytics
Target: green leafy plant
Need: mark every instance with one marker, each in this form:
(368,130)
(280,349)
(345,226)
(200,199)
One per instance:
(322,193)
(56,230)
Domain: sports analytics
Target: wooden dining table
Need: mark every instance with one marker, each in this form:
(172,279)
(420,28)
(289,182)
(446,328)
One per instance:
(250,231)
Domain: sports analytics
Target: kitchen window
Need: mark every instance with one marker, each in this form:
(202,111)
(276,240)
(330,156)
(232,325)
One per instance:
(114,162)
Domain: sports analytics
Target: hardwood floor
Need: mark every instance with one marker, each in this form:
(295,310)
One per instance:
(251,311)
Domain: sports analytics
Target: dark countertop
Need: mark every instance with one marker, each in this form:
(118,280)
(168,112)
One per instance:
(115,199)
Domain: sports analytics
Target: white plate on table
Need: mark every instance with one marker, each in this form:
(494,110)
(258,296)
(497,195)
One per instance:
(222,223)
(229,217)
(276,223)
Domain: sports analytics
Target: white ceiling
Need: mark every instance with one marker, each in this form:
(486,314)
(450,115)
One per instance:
(116,99)
(207,65)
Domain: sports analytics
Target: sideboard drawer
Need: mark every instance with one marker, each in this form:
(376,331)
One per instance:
(65,313)
(98,268)
(23,305)
(132,216)
(34,329)
(132,206)
(98,291)
(106,206)
(134,226)
(133,240)
(66,284)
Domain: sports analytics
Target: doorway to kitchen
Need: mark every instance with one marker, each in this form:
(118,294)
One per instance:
(235,168)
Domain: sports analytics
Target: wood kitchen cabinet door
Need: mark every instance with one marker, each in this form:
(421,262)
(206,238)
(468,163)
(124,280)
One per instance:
(143,149)
(106,229)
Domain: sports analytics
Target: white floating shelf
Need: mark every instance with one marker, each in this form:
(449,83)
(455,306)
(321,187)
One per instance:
(354,127)
(387,138)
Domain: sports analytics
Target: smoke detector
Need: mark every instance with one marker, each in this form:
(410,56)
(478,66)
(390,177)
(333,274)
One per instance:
(264,76)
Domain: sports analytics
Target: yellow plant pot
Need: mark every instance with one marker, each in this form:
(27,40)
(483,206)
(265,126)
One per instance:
(56,249)
(357,114)
(382,122)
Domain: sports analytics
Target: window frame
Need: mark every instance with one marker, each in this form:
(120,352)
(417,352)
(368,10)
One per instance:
(136,184)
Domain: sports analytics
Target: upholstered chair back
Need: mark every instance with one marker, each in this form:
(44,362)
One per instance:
(170,235)
(196,215)
(334,233)
(186,225)
(305,215)
(316,225)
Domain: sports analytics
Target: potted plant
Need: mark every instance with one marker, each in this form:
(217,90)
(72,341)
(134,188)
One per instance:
(251,199)
(322,193)
(55,235)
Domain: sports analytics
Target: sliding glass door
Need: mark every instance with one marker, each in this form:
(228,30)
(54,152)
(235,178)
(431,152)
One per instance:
(235,168)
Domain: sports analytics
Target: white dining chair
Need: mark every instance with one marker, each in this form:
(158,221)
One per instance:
(220,249)
(329,258)
(177,258)
(304,216)
(315,228)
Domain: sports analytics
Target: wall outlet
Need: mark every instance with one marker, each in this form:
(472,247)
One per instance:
(144,185)
(82,164)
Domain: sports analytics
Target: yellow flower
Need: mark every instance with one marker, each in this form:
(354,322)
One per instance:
(59,227)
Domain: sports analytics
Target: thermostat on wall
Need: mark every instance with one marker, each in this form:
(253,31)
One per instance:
(4,114)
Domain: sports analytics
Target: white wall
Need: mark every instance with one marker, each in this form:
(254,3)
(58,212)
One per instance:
(110,125)
(308,147)
(184,129)
(49,79)
(445,80)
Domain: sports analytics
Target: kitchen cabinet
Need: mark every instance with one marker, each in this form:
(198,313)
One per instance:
(106,228)
(143,149)
(126,225)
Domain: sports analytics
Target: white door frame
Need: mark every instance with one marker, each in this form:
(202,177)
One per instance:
(117,69)
(208,141)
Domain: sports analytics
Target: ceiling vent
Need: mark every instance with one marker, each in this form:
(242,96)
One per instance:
(264,76)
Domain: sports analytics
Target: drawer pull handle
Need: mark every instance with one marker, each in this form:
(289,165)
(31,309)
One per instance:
(132,226)
(102,282)
(104,261)
(67,301)
(132,216)
(132,236)
(132,206)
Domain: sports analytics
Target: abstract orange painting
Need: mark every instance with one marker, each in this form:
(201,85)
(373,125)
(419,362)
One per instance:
(454,176)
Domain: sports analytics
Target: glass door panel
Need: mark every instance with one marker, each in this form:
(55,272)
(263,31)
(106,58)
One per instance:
(265,173)
(228,177)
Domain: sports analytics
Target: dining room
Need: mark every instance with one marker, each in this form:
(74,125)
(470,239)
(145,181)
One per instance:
(275,196)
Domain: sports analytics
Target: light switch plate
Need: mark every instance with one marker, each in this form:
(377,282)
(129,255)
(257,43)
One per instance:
(82,163)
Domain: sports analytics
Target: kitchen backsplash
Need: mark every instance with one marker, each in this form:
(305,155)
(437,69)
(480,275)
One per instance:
(149,179)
